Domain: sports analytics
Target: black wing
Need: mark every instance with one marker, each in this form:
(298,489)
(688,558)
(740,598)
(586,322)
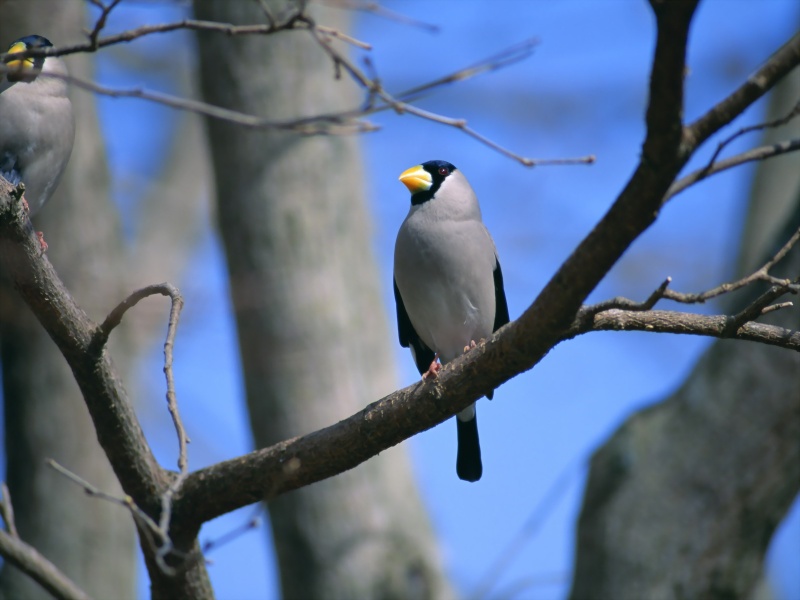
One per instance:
(500,304)
(423,356)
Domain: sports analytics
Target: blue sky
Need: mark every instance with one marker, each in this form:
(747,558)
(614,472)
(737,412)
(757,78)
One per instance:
(582,92)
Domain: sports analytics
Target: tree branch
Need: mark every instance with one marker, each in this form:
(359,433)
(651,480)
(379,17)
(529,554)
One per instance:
(337,123)
(760,153)
(758,84)
(115,422)
(29,561)
(73,332)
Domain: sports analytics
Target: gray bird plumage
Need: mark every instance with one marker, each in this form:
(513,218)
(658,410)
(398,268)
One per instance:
(37,128)
(447,281)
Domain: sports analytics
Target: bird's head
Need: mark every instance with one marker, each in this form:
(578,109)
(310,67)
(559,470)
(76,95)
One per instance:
(26,69)
(423,181)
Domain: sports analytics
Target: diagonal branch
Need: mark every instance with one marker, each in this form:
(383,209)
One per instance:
(35,278)
(760,153)
(29,561)
(774,69)
(115,422)
(780,122)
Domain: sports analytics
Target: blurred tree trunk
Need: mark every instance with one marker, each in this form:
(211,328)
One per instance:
(683,500)
(92,541)
(313,337)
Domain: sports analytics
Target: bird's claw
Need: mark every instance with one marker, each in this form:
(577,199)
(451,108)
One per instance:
(472,345)
(433,369)
(42,243)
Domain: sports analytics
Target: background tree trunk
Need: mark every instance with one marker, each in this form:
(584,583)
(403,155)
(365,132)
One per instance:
(313,336)
(92,541)
(683,500)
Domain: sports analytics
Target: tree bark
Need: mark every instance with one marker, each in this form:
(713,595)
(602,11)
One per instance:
(313,336)
(90,540)
(682,501)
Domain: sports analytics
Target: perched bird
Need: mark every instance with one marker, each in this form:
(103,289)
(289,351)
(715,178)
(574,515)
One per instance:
(448,285)
(37,128)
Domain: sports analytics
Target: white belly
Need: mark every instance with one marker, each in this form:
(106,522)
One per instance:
(447,284)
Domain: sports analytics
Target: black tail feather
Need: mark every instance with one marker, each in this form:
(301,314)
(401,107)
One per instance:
(468,460)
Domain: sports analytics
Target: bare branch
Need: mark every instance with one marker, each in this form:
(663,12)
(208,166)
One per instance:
(101,20)
(774,307)
(778,65)
(7,511)
(114,318)
(381,11)
(375,89)
(782,286)
(157,537)
(504,58)
(757,308)
(346,122)
(126,501)
(117,427)
(38,568)
(335,33)
(751,128)
(183,440)
(760,153)
(165,546)
(252,523)
(664,321)
(626,304)
(290,22)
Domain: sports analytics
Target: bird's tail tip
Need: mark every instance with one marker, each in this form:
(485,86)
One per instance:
(468,461)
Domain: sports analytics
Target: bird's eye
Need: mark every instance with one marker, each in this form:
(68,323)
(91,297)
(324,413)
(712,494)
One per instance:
(443,171)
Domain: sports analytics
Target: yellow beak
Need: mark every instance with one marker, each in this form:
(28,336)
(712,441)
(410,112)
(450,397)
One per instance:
(20,64)
(416,179)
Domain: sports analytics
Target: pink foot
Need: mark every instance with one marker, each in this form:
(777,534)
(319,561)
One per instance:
(472,345)
(42,243)
(433,370)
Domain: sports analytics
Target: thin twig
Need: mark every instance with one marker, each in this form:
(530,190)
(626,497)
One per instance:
(93,491)
(232,535)
(7,510)
(382,11)
(172,404)
(774,307)
(291,22)
(756,308)
(626,304)
(374,89)
(335,33)
(101,337)
(761,274)
(779,122)
(760,153)
(101,20)
(157,537)
(504,58)
(115,317)
(762,305)
(28,560)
